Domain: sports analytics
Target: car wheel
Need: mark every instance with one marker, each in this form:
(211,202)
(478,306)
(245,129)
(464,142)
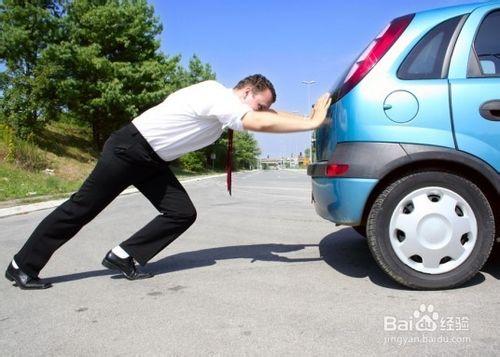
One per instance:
(361,230)
(431,230)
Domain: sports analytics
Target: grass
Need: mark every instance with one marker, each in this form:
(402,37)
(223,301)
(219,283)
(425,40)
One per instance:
(63,149)
(69,150)
(16,183)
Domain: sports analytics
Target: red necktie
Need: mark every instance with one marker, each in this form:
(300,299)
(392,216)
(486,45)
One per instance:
(229,159)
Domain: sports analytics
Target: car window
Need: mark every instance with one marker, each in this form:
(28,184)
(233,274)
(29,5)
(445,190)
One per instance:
(487,46)
(427,58)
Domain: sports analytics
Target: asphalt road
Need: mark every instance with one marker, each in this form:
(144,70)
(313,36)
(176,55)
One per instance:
(259,274)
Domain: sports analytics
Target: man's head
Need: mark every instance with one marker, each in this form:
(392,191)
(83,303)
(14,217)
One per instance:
(256,91)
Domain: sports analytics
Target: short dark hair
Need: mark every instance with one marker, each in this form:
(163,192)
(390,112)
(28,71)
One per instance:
(258,83)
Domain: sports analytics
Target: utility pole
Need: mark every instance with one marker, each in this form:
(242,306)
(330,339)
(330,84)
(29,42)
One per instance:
(308,84)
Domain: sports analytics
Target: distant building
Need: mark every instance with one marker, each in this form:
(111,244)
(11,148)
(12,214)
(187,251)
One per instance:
(292,162)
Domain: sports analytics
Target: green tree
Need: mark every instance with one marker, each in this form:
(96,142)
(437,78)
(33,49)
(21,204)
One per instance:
(246,150)
(109,68)
(197,72)
(193,161)
(219,148)
(26,29)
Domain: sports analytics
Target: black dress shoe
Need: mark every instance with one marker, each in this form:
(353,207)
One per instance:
(125,265)
(23,280)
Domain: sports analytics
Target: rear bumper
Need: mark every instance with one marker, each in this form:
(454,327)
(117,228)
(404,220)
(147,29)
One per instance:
(341,200)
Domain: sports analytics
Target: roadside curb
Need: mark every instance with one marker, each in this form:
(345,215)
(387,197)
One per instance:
(32,207)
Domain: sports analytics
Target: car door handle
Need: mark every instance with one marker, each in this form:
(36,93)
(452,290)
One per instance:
(490,110)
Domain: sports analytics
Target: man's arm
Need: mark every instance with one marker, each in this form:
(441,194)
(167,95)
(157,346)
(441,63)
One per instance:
(286,114)
(276,122)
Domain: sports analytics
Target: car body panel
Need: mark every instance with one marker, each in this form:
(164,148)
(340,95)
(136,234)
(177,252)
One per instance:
(475,134)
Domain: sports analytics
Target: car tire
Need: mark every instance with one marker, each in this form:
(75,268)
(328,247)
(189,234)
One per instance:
(425,213)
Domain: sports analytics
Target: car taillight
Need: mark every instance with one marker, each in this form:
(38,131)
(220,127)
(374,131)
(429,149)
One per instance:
(336,170)
(372,54)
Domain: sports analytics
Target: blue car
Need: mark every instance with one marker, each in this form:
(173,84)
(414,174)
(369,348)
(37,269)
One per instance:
(410,152)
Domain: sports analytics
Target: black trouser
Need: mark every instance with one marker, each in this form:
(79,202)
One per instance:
(127,159)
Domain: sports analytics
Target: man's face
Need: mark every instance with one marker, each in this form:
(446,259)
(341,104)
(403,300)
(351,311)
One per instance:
(258,101)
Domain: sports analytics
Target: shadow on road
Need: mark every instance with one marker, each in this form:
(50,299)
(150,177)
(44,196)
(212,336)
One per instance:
(347,252)
(78,276)
(206,257)
(492,266)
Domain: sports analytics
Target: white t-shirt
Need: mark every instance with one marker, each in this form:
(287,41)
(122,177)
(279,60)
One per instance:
(191,118)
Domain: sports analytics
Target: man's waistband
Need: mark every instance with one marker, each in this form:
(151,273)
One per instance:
(133,131)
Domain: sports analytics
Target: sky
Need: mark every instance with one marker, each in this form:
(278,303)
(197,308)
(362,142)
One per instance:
(287,41)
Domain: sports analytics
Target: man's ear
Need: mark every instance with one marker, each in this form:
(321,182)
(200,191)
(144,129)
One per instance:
(247,90)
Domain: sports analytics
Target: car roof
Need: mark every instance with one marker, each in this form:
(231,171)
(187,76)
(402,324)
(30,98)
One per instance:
(456,10)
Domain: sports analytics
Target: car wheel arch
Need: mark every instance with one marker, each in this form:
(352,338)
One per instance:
(420,163)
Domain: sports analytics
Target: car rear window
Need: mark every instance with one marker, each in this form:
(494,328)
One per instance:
(487,46)
(427,59)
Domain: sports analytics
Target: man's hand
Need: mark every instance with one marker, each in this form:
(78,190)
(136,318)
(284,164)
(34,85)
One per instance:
(276,122)
(318,113)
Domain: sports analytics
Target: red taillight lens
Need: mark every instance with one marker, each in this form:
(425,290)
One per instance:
(373,53)
(336,170)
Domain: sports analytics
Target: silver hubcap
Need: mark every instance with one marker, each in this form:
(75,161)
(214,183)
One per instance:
(433,230)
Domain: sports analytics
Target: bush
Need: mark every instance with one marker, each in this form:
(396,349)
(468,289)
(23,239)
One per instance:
(193,161)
